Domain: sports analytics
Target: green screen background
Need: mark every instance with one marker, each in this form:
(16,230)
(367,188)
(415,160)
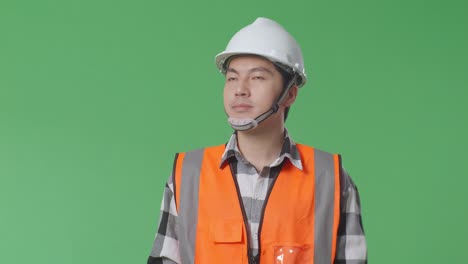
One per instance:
(97,96)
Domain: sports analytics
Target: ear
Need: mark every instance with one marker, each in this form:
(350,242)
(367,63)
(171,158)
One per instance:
(291,96)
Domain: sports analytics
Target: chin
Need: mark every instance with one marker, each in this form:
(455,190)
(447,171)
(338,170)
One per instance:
(243,116)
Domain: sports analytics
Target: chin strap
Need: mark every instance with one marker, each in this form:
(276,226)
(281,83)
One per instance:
(246,124)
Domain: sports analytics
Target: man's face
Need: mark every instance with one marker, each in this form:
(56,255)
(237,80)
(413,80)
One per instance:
(252,85)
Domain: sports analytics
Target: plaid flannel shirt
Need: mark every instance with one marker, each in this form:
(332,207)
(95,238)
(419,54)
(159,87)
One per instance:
(351,245)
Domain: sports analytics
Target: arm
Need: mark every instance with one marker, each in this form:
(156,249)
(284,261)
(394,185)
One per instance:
(166,245)
(351,244)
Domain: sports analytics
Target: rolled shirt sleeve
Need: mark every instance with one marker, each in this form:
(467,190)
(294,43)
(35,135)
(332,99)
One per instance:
(166,244)
(351,245)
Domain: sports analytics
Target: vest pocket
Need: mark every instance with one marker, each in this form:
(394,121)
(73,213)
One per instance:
(293,254)
(227,242)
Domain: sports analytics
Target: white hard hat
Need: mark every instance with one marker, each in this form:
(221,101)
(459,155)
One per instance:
(266,38)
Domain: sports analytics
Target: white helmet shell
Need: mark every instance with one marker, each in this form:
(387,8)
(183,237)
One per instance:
(266,38)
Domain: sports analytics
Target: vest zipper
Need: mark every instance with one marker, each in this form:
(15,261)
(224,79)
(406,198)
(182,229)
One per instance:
(251,258)
(275,173)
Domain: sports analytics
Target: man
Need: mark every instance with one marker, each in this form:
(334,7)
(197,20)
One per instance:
(260,198)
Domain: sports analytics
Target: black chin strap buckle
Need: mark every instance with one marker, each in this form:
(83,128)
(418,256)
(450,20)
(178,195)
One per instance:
(275,107)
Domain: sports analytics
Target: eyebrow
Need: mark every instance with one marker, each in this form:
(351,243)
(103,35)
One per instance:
(256,69)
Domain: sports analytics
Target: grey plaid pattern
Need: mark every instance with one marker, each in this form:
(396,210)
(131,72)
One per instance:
(351,245)
(166,244)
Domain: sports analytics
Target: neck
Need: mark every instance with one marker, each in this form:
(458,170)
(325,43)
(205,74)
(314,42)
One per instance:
(262,145)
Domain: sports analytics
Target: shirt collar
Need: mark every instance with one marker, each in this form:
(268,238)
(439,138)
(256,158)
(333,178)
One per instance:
(288,150)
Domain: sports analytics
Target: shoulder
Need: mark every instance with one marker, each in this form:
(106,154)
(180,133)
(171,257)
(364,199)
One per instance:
(200,153)
(304,147)
(318,156)
(322,156)
(203,149)
(347,182)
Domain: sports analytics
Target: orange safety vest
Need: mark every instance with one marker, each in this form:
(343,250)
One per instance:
(300,218)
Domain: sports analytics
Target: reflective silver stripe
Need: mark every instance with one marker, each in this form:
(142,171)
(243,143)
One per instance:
(324,206)
(188,207)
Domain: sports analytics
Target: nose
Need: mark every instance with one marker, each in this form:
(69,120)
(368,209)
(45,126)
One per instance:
(242,89)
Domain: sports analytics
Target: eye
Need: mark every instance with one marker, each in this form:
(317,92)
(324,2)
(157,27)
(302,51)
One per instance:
(230,79)
(258,78)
